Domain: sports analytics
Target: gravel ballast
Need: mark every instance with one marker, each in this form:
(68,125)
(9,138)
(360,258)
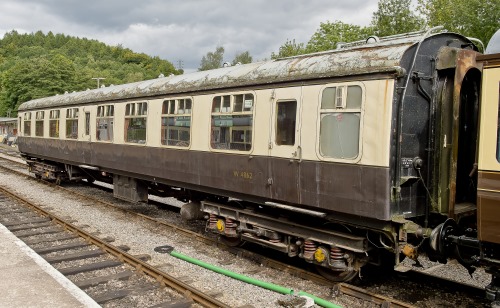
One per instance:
(142,237)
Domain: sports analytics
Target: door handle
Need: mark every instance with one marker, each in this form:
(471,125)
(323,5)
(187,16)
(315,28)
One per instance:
(298,153)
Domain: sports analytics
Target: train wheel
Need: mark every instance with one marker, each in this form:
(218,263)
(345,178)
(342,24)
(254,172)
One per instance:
(58,181)
(336,276)
(230,241)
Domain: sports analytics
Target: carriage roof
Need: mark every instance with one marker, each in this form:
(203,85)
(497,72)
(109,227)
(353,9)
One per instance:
(382,56)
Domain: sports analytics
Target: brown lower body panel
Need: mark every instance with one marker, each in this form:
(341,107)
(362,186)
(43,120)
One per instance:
(488,206)
(344,188)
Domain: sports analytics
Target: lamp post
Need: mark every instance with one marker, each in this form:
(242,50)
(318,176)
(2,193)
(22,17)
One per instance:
(98,80)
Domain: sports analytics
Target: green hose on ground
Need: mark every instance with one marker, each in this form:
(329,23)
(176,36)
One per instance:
(256,282)
(260,283)
(318,300)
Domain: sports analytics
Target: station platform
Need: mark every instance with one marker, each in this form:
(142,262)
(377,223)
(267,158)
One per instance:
(27,280)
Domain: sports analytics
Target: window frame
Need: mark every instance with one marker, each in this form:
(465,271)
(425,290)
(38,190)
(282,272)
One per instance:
(27,120)
(341,108)
(223,111)
(135,110)
(55,119)
(72,116)
(103,113)
(40,118)
(277,123)
(174,111)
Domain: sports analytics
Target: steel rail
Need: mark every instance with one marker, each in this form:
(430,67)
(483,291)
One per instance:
(343,288)
(162,277)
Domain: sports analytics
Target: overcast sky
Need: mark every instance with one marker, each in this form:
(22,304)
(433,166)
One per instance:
(184,30)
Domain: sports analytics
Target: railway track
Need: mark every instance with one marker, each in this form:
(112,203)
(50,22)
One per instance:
(107,273)
(337,289)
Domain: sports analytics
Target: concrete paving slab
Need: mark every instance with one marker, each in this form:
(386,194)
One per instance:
(27,280)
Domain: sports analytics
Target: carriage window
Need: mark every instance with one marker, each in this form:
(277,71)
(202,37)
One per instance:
(105,119)
(72,123)
(39,116)
(285,122)
(27,123)
(232,122)
(135,122)
(221,104)
(176,122)
(340,116)
(54,123)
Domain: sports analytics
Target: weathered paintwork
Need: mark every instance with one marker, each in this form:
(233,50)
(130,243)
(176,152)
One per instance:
(488,194)
(381,57)
(410,95)
(488,206)
(453,117)
(350,189)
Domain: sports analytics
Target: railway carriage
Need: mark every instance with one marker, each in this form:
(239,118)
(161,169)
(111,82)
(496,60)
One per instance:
(338,157)
(488,188)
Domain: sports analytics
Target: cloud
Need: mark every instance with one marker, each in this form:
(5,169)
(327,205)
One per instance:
(185,30)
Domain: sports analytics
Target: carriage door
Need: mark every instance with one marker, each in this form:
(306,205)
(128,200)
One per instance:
(466,172)
(284,144)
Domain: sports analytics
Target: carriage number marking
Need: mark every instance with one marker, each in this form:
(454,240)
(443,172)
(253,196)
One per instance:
(243,174)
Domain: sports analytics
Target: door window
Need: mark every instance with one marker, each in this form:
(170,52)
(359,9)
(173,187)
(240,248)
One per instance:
(286,113)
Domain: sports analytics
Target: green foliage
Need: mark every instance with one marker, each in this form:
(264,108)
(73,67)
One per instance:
(243,58)
(326,37)
(212,60)
(330,34)
(34,78)
(37,65)
(289,49)
(394,17)
(474,18)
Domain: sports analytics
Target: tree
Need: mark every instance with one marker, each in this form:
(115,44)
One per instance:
(475,18)
(212,60)
(330,34)
(36,78)
(22,82)
(242,58)
(394,17)
(289,49)
(38,65)
(326,37)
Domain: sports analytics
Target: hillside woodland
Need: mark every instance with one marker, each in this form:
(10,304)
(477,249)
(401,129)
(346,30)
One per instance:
(38,65)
